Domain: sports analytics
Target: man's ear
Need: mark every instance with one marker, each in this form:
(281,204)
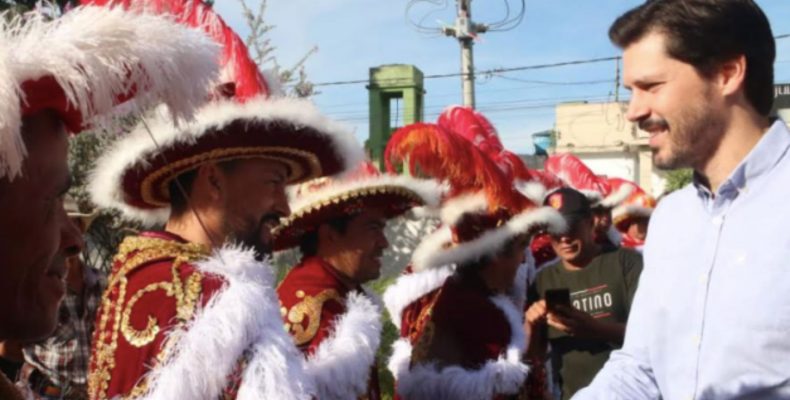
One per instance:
(211,180)
(731,75)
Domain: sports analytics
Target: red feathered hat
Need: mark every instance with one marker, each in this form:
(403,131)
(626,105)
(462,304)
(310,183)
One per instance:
(316,202)
(249,119)
(574,173)
(638,204)
(484,209)
(87,62)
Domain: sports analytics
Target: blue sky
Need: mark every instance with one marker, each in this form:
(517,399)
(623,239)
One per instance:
(354,35)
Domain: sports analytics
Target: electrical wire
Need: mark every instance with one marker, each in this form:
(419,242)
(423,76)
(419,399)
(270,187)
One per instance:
(483,72)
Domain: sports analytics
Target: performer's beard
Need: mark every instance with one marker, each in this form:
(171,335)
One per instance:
(260,238)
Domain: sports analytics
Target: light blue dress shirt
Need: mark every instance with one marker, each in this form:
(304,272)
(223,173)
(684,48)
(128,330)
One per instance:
(711,317)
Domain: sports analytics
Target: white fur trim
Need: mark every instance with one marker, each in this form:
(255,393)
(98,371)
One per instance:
(631,211)
(243,316)
(134,149)
(454,208)
(430,191)
(341,365)
(96,54)
(399,361)
(617,197)
(433,251)
(594,197)
(409,288)
(536,192)
(505,375)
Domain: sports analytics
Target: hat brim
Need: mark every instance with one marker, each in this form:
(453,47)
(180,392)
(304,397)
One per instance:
(134,176)
(438,248)
(392,196)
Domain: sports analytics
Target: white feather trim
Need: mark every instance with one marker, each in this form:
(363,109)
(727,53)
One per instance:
(12,147)
(341,365)
(134,149)
(409,288)
(399,361)
(243,317)
(536,192)
(434,250)
(623,211)
(618,196)
(430,191)
(505,375)
(454,208)
(594,197)
(96,54)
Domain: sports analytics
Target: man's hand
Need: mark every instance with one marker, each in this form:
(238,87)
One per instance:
(536,314)
(573,322)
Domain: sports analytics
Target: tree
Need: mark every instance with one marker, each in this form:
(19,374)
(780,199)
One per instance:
(677,179)
(262,52)
(17,6)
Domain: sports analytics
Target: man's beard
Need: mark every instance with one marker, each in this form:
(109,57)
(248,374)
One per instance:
(692,138)
(254,237)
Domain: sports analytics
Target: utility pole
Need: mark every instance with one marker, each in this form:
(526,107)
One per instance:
(465,31)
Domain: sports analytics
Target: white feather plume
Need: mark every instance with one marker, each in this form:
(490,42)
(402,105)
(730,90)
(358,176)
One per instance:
(96,55)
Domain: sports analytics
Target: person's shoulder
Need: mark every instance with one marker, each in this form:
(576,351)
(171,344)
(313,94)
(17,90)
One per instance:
(628,258)
(308,280)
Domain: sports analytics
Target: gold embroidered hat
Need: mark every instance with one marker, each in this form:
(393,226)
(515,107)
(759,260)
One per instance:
(316,202)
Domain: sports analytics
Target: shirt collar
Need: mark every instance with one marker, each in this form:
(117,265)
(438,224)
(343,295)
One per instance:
(762,159)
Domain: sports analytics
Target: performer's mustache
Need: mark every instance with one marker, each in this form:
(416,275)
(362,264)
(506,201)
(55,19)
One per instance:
(271,220)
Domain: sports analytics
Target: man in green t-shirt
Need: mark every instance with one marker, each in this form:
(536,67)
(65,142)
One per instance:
(580,304)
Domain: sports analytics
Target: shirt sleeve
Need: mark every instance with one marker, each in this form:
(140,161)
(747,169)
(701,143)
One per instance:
(627,375)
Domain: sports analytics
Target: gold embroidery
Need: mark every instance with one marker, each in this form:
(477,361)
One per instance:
(337,199)
(133,253)
(310,308)
(159,196)
(186,298)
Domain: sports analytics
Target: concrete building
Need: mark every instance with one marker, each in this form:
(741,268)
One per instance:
(600,135)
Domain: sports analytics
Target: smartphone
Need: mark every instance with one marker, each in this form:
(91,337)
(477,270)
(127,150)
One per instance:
(555,297)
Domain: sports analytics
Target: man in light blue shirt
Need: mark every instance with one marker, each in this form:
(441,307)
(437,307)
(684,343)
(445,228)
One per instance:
(711,317)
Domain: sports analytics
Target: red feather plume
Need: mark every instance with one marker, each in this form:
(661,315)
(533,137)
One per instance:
(241,77)
(433,151)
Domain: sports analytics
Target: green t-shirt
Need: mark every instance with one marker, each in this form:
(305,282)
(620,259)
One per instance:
(604,289)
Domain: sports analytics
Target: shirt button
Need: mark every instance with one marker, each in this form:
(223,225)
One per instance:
(703,278)
(717,221)
(696,340)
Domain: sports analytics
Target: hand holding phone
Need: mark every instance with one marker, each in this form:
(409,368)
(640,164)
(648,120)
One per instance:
(555,297)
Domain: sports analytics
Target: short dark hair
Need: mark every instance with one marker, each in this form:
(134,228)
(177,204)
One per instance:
(308,244)
(180,188)
(706,33)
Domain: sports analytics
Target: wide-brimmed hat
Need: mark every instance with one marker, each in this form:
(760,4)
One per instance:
(250,119)
(86,63)
(638,205)
(316,202)
(575,174)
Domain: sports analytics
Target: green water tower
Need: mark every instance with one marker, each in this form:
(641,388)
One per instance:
(396,99)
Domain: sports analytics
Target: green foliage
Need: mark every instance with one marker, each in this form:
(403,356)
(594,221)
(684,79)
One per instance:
(678,179)
(16,6)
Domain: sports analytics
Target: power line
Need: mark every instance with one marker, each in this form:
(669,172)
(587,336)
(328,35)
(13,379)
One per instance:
(492,71)
(495,71)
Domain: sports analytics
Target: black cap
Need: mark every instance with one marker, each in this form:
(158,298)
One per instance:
(572,204)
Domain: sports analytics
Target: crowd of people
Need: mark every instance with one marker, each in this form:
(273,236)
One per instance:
(536,284)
